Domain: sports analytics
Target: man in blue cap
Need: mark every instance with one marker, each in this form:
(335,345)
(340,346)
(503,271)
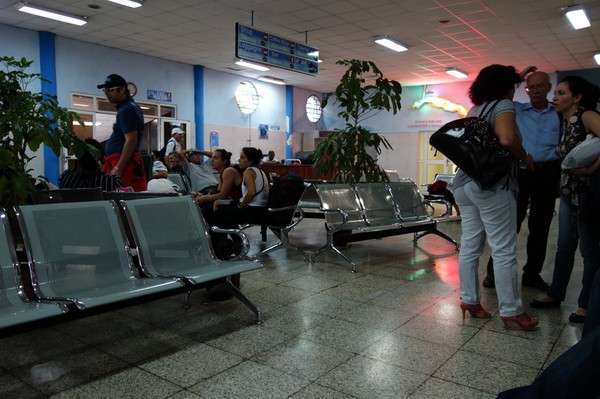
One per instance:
(122,149)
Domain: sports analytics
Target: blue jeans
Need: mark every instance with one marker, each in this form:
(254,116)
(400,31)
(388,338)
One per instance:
(570,234)
(493,213)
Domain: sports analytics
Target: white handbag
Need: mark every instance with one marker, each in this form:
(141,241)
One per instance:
(583,154)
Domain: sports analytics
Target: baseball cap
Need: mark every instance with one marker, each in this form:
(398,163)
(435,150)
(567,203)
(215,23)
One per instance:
(194,151)
(113,80)
(177,131)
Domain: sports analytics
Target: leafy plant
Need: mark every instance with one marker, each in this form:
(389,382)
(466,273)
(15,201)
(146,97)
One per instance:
(345,150)
(28,120)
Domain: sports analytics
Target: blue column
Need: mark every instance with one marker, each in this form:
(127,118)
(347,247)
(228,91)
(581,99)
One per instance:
(199,105)
(289,118)
(48,71)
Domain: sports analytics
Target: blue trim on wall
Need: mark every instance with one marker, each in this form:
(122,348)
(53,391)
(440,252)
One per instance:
(289,116)
(48,71)
(199,105)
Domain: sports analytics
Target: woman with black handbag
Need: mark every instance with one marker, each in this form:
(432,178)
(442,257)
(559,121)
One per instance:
(492,212)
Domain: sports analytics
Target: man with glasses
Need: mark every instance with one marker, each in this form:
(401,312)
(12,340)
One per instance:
(122,148)
(540,131)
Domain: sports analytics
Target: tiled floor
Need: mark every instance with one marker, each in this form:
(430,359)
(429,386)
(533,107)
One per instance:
(392,330)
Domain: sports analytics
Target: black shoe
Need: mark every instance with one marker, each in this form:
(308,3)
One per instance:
(536,282)
(576,318)
(488,281)
(545,304)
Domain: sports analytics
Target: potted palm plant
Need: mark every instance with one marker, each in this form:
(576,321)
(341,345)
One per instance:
(345,151)
(28,120)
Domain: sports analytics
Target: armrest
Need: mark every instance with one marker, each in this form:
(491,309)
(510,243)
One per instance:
(342,213)
(444,202)
(243,238)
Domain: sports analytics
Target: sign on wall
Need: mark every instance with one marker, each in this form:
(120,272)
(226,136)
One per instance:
(256,45)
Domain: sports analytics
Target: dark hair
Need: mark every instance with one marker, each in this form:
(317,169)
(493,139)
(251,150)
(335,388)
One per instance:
(88,162)
(225,156)
(492,83)
(254,155)
(590,93)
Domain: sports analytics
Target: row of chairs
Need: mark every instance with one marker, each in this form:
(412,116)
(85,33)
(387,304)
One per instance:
(87,257)
(362,211)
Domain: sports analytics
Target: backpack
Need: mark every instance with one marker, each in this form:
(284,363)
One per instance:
(472,145)
(162,152)
(285,191)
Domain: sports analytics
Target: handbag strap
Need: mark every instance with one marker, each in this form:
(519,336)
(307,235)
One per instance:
(483,114)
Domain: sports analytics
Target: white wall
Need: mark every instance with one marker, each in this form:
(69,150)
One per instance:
(82,66)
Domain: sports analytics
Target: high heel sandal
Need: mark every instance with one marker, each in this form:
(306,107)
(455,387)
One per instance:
(522,321)
(476,311)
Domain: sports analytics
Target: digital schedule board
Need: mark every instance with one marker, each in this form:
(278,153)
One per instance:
(256,45)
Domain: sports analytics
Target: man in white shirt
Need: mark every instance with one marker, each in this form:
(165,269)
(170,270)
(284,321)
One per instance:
(174,143)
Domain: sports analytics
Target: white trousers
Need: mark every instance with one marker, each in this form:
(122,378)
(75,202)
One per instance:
(493,213)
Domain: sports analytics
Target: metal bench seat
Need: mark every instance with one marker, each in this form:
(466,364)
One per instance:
(15,308)
(362,211)
(78,252)
(172,240)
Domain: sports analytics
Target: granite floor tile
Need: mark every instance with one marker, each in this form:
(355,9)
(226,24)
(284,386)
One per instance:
(312,283)
(436,388)
(143,345)
(376,317)
(377,379)
(292,320)
(303,358)
(316,391)
(485,373)
(192,364)
(281,294)
(509,347)
(15,388)
(249,341)
(409,353)
(325,305)
(439,331)
(249,380)
(79,366)
(35,347)
(131,383)
(344,335)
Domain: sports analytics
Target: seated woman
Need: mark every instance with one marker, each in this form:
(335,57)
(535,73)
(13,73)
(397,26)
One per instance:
(89,174)
(229,185)
(252,206)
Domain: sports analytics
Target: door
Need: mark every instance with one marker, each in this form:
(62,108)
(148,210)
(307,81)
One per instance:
(431,162)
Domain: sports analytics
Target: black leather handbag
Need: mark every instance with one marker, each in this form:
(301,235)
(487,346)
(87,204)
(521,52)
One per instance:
(470,143)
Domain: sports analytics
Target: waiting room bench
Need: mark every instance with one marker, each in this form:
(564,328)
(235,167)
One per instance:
(16,310)
(79,257)
(363,211)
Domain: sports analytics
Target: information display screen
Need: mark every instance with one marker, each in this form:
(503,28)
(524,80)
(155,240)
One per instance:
(252,44)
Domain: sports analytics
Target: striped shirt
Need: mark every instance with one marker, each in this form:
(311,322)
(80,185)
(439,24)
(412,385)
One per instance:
(74,178)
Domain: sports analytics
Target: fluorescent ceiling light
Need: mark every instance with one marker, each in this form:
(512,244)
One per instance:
(270,79)
(578,17)
(597,58)
(252,65)
(47,13)
(128,3)
(390,43)
(457,73)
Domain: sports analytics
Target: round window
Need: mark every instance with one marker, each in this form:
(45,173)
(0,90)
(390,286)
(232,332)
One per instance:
(313,108)
(246,97)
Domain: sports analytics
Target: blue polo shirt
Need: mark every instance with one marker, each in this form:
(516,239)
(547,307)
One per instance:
(540,131)
(129,118)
